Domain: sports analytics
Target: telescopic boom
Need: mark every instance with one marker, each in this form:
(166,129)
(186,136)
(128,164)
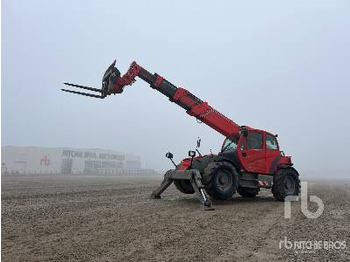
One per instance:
(114,83)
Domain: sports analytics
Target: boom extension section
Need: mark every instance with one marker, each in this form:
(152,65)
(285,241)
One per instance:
(113,83)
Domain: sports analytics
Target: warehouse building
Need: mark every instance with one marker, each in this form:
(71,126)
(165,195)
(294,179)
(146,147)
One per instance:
(37,160)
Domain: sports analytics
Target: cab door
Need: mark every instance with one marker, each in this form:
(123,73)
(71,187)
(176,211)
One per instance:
(273,154)
(252,152)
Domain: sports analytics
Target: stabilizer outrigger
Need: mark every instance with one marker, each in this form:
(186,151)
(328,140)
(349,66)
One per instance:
(195,178)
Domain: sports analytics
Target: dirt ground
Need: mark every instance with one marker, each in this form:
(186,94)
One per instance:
(94,218)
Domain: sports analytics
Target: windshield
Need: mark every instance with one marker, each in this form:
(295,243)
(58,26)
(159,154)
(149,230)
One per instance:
(229,146)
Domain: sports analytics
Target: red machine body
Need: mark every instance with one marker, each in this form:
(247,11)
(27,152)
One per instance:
(263,159)
(248,159)
(257,151)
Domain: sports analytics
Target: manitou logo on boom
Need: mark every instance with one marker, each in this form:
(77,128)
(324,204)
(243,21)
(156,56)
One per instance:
(45,161)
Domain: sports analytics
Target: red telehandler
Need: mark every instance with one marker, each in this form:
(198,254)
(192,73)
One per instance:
(249,158)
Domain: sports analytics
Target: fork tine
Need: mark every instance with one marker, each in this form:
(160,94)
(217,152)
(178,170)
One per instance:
(84,94)
(85,87)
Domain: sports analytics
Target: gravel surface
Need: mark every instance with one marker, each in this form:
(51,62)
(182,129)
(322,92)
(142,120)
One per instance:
(105,218)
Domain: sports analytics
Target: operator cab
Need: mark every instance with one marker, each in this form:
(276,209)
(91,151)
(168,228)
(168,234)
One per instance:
(257,151)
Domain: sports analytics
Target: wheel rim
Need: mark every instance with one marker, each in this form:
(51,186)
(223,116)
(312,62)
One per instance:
(289,185)
(224,180)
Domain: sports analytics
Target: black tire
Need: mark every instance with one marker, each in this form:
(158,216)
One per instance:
(184,186)
(220,180)
(248,192)
(285,183)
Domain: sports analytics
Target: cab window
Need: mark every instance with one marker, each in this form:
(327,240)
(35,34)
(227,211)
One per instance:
(254,140)
(230,145)
(271,142)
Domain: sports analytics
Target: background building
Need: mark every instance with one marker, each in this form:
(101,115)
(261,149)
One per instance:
(37,160)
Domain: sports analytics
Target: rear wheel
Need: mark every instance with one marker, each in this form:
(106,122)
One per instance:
(248,192)
(184,186)
(285,183)
(220,180)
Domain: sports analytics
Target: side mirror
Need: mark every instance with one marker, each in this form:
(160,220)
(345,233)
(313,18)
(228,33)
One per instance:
(169,155)
(192,154)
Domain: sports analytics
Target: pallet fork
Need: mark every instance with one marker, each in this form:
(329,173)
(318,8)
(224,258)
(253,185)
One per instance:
(195,178)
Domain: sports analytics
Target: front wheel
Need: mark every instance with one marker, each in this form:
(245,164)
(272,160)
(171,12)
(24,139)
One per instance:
(220,180)
(285,183)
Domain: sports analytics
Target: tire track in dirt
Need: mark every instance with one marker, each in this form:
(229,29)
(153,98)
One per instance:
(109,219)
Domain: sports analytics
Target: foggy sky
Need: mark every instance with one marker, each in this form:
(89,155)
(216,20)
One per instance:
(282,66)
